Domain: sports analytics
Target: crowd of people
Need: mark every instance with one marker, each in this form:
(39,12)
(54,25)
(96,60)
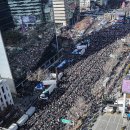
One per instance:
(79,81)
(32,46)
(77,30)
(25,56)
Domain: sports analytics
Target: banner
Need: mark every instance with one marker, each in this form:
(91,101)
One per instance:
(126,86)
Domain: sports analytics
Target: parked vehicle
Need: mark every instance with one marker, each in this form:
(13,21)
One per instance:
(14,126)
(30,111)
(22,120)
(46,93)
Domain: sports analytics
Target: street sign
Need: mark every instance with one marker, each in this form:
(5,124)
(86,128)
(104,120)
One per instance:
(65,121)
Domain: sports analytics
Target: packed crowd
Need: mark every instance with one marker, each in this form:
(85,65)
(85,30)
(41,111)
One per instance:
(28,52)
(32,47)
(77,30)
(79,81)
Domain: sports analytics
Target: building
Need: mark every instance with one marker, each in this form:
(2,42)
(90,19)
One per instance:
(5,95)
(27,12)
(6,20)
(65,12)
(84,5)
(48,10)
(100,2)
(5,71)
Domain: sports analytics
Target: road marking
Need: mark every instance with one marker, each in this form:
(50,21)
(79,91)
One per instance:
(114,118)
(108,123)
(128,125)
(118,123)
(96,125)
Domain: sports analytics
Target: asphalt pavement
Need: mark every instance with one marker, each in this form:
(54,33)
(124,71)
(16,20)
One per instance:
(111,122)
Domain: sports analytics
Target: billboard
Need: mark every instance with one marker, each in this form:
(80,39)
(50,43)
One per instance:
(28,19)
(126,86)
(25,19)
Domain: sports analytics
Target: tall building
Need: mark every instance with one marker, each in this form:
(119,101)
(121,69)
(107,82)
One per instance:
(5,71)
(6,20)
(27,12)
(65,12)
(5,95)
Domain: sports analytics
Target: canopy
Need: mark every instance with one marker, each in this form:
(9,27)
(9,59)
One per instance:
(39,86)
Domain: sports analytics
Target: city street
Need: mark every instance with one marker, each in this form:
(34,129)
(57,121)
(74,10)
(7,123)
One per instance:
(111,122)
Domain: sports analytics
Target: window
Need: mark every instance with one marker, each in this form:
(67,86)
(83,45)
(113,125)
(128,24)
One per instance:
(1,100)
(47,16)
(5,96)
(2,89)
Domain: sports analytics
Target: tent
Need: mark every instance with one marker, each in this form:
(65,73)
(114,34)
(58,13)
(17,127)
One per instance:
(39,86)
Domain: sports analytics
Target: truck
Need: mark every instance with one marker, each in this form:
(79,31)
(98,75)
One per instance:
(13,126)
(46,93)
(22,120)
(30,111)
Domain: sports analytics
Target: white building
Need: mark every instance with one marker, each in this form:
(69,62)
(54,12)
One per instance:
(5,95)
(5,71)
(84,5)
(64,11)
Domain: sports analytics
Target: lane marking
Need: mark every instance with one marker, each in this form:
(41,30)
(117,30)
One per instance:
(108,123)
(128,125)
(118,124)
(114,118)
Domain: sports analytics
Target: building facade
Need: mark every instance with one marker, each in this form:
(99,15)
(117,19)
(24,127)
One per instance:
(48,10)
(102,2)
(6,20)
(84,5)
(5,71)
(65,12)
(5,95)
(27,12)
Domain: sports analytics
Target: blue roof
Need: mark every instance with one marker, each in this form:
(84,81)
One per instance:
(39,86)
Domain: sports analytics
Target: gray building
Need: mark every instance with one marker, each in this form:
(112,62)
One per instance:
(27,12)
(6,20)
(84,5)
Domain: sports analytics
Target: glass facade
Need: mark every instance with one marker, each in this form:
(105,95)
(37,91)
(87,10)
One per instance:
(6,20)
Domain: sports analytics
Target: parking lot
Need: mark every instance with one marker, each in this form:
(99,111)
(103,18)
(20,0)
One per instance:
(111,122)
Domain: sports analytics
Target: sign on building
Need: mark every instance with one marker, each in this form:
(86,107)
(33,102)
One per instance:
(126,86)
